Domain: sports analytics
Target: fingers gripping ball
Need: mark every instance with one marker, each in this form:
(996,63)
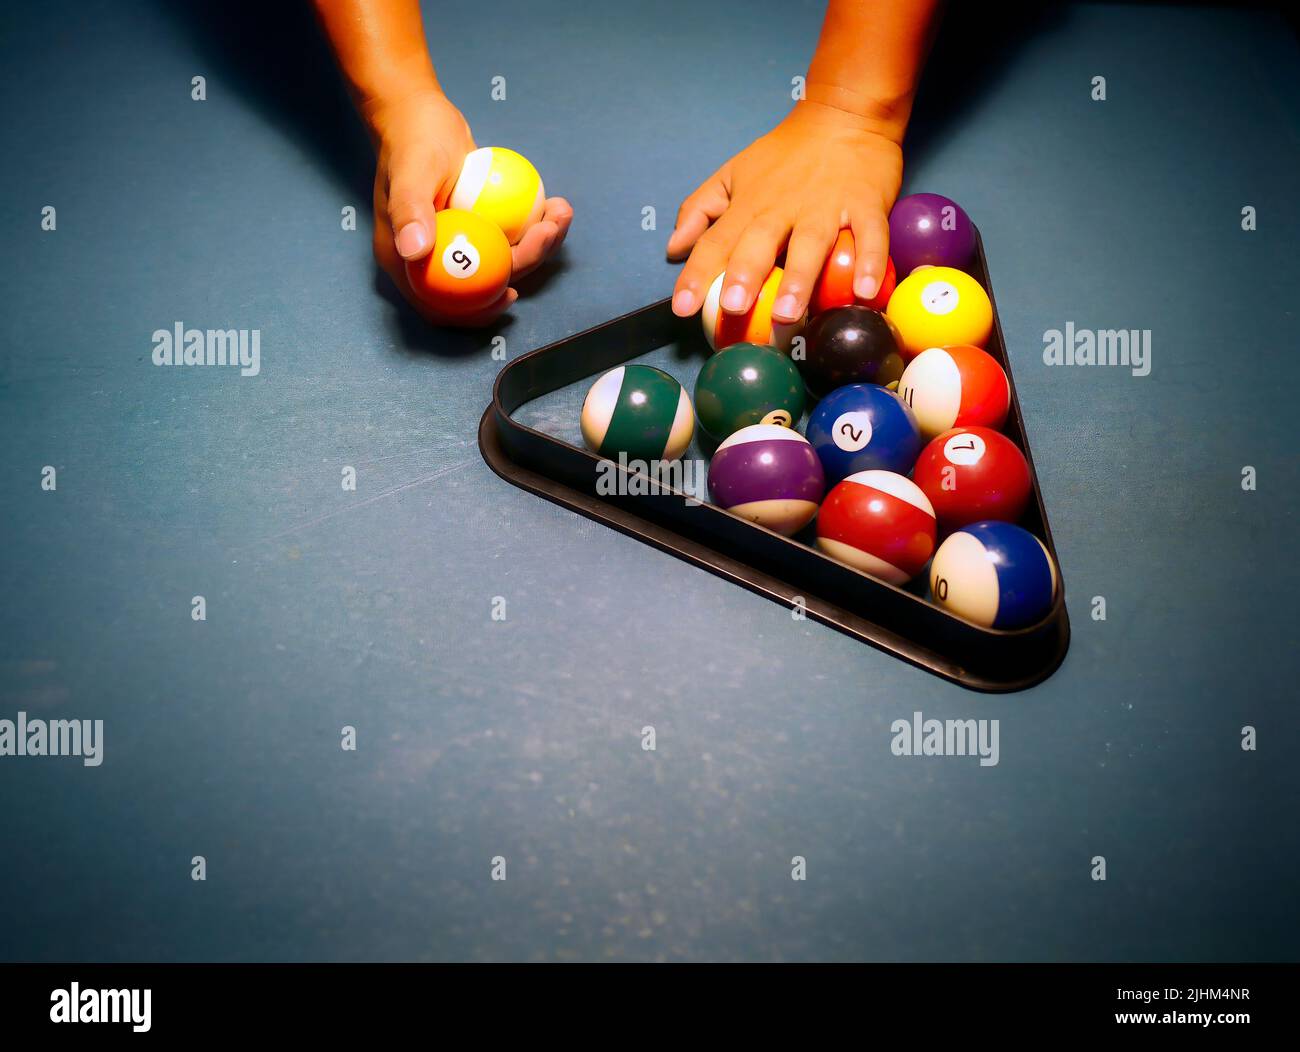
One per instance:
(861,427)
(878,522)
(955,387)
(747,384)
(940,307)
(995,574)
(834,287)
(502,186)
(754,326)
(469,267)
(973,473)
(768,474)
(638,411)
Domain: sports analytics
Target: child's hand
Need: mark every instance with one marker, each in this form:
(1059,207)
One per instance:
(421,141)
(820,170)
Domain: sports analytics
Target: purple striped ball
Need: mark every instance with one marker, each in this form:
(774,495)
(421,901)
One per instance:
(770,475)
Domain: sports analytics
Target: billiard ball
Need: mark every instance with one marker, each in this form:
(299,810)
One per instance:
(930,229)
(502,186)
(955,387)
(940,307)
(995,574)
(768,474)
(879,522)
(850,345)
(834,286)
(861,427)
(638,411)
(747,384)
(469,267)
(973,473)
(754,326)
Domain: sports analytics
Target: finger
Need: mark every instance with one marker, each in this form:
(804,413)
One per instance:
(697,212)
(534,247)
(751,261)
(542,239)
(708,259)
(871,241)
(559,212)
(810,243)
(416,174)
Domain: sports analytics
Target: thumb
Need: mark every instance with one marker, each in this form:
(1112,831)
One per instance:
(415,175)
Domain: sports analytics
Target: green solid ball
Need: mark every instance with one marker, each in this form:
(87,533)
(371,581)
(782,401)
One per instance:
(747,384)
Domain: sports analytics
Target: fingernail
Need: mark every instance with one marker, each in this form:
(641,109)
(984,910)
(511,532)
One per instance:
(734,298)
(866,286)
(684,303)
(412,240)
(786,306)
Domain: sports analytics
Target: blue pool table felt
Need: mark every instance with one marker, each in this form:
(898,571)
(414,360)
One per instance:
(522,738)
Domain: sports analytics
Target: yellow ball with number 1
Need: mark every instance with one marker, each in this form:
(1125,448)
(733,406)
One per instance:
(502,186)
(940,307)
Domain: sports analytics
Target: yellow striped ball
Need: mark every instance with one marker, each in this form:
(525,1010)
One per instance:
(502,186)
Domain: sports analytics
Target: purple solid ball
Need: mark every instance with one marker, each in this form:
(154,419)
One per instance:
(917,235)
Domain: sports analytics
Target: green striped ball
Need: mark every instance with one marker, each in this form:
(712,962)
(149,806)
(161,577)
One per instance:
(639,411)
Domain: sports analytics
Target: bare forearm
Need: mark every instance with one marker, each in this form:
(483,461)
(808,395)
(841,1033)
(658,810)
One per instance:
(381,48)
(869,59)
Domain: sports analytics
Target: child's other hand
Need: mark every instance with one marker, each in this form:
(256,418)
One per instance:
(820,170)
(421,142)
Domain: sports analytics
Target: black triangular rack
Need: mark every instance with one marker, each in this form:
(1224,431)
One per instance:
(898,620)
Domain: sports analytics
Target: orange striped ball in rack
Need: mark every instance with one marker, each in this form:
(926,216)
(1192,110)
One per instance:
(754,326)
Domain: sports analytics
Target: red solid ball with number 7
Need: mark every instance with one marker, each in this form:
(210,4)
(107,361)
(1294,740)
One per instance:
(971,474)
